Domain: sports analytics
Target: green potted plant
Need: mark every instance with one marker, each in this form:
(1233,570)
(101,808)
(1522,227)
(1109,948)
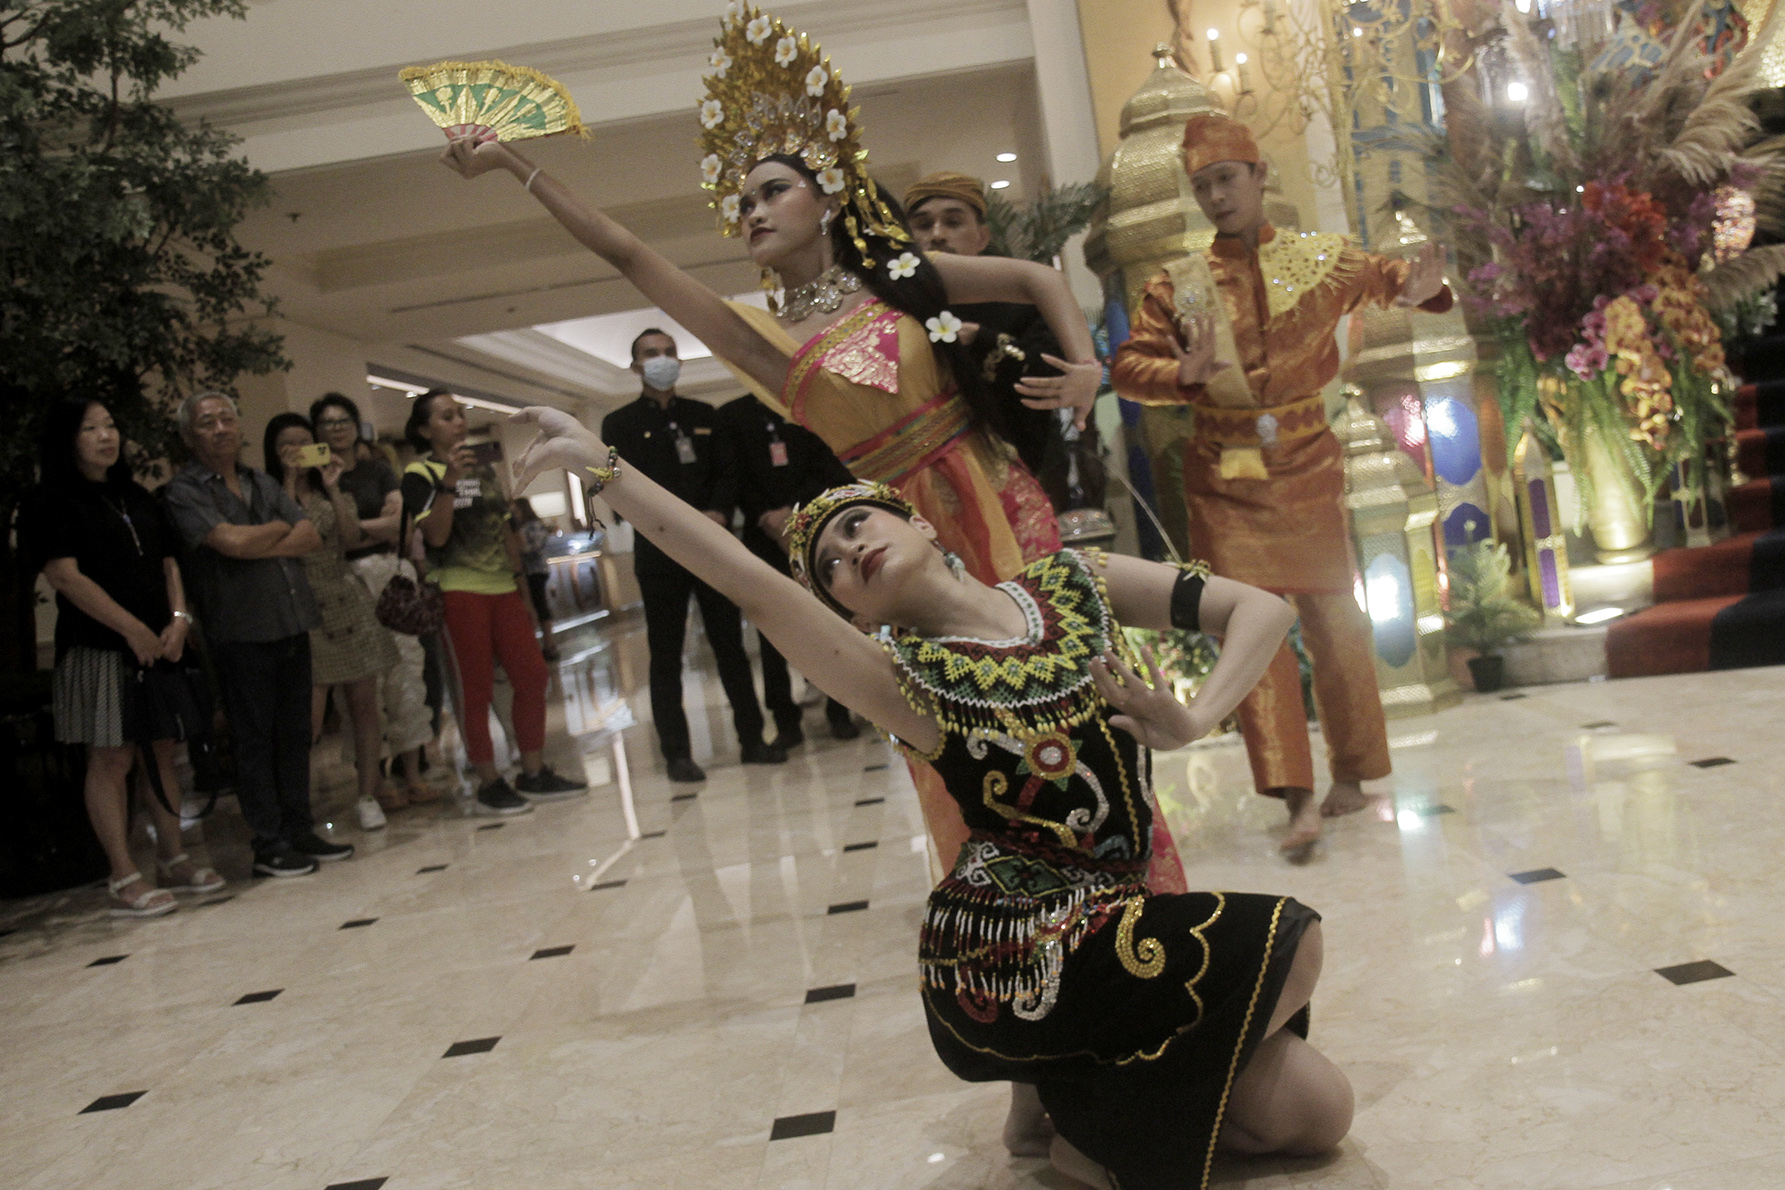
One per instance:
(1482,615)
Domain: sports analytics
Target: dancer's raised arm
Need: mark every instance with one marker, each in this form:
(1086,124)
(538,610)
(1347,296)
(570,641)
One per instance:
(972,279)
(683,298)
(845,664)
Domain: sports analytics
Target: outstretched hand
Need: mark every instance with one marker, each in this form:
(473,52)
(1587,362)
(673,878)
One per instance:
(563,442)
(1075,390)
(1196,354)
(475,152)
(1425,276)
(1149,714)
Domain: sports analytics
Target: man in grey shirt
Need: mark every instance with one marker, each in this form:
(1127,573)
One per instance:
(243,536)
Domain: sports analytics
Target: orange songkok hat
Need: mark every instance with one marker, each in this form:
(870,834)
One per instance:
(947,184)
(1208,139)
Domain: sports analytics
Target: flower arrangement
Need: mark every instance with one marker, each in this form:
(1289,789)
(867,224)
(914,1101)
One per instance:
(1603,226)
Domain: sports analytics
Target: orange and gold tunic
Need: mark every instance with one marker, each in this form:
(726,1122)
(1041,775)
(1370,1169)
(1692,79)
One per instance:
(1284,531)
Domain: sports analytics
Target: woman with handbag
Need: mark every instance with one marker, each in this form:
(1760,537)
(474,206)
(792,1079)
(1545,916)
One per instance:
(102,543)
(458,504)
(351,648)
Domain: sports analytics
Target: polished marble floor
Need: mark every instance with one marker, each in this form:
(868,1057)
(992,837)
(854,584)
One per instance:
(1555,960)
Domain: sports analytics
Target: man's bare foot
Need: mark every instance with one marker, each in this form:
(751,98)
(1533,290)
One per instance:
(1075,1165)
(1027,1130)
(1345,797)
(1304,823)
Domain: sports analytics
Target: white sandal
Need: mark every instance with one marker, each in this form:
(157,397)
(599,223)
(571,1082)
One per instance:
(153,903)
(203,880)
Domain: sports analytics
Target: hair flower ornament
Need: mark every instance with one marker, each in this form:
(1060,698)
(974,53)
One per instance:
(945,327)
(710,168)
(718,64)
(779,96)
(905,266)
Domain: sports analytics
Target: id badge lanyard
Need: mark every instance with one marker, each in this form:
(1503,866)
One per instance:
(684,445)
(777,448)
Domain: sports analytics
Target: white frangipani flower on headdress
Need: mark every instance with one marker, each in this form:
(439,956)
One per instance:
(718,63)
(836,124)
(831,180)
(785,51)
(728,208)
(758,30)
(712,114)
(905,266)
(710,169)
(734,10)
(944,328)
(815,80)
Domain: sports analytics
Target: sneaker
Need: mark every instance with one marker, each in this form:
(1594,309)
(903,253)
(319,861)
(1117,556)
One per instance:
(547,786)
(284,862)
(499,799)
(317,847)
(684,770)
(789,738)
(844,729)
(760,753)
(371,814)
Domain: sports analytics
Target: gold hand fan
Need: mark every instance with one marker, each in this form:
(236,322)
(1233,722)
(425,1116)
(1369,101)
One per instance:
(512,102)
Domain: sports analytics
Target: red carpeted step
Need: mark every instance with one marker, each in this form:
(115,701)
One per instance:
(1742,408)
(1706,571)
(1758,505)
(1669,638)
(1761,452)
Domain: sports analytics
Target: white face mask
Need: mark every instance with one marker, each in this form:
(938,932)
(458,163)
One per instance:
(661,372)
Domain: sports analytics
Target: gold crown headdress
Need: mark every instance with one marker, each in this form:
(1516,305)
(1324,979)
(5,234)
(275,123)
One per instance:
(770,91)
(807,523)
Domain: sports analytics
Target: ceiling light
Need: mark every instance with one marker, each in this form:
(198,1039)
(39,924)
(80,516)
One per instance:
(1007,157)
(402,386)
(1240,59)
(1599,615)
(1001,184)
(1517,92)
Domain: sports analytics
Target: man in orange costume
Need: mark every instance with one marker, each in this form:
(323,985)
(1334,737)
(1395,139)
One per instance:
(1245,336)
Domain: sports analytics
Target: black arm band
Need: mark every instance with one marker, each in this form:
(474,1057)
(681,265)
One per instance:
(1186,602)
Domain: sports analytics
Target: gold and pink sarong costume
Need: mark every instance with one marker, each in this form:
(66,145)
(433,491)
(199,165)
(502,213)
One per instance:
(1264,476)
(871,386)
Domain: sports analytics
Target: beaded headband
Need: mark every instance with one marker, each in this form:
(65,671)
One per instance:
(807,523)
(770,91)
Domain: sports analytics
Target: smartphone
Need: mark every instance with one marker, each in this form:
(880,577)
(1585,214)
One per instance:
(487,454)
(314,455)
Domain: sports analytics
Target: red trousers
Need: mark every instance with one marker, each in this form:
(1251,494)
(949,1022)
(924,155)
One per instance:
(482,629)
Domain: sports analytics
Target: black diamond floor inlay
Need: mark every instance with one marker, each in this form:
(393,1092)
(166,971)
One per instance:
(492,826)
(1511,697)
(812,1124)
(362,1184)
(870,801)
(552,952)
(1432,810)
(847,907)
(837,991)
(481,1045)
(1536,875)
(1710,762)
(1595,726)
(875,768)
(607,884)
(684,797)
(108,960)
(653,834)
(1697,972)
(430,868)
(259,997)
(862,846)
(358,923)
(114,1102)
(217,900)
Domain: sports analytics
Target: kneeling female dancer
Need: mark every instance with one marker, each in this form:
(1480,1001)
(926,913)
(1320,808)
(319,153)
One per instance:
(1150,1026)
(861,349)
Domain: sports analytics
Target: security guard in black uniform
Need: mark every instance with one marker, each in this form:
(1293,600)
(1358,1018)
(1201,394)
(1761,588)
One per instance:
(670,439)
(776,464)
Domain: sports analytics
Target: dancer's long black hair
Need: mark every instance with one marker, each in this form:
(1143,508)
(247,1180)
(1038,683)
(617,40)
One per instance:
(921,295)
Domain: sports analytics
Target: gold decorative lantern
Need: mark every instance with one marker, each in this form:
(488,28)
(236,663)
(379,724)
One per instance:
(1540,524)
(1392,511)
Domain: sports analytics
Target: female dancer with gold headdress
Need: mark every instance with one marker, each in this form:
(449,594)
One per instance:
(862,349)
(1152,1027)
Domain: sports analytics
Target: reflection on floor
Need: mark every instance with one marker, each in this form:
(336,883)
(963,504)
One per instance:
(1554,960)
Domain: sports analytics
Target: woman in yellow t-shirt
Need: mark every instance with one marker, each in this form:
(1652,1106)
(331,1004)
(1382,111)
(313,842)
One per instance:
(462,513)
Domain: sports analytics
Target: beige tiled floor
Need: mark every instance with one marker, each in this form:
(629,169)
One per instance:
(1501,1036)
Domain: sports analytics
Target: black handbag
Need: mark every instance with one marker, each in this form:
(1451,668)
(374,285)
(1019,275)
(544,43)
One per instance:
(412,606)
(168,701)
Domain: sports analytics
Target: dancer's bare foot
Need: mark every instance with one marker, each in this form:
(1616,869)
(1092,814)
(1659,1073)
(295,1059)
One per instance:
(1345,797)
(1075,1165)
(1304,823)
(1027,1130)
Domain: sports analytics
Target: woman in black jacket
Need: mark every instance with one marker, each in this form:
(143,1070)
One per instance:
(102,543)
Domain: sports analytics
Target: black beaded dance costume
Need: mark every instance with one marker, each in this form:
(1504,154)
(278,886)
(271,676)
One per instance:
(1044,958)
